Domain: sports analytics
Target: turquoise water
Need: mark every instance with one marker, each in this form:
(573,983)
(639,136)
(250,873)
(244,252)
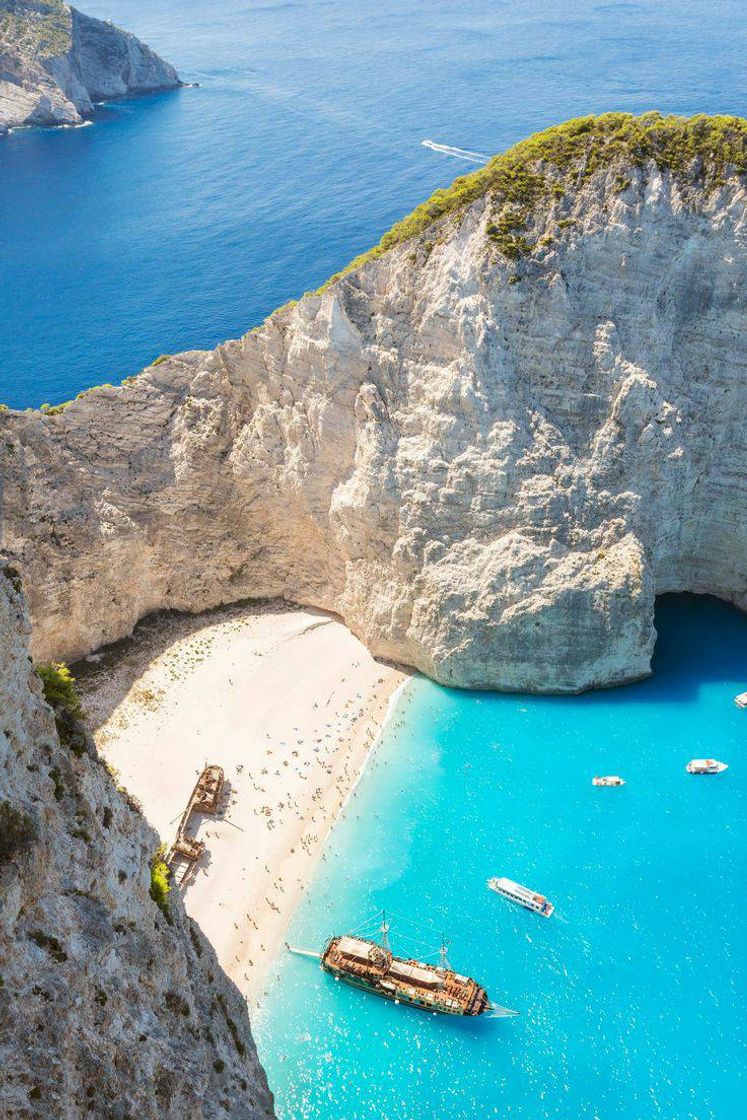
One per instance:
(632,997)
(183,219)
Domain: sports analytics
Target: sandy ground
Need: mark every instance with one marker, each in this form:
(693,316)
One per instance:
(288,702)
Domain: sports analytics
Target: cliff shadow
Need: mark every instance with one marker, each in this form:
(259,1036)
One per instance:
(106,677)
(700,640)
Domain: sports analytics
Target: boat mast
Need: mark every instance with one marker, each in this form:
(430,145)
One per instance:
(384,930)
(443,962)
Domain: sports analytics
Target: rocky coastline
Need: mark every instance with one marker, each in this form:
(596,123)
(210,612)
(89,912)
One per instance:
(56,64)
(112,1002)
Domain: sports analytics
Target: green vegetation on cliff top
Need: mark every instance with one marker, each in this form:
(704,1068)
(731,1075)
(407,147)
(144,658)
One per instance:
(700,147)
(40,29)
(546,164)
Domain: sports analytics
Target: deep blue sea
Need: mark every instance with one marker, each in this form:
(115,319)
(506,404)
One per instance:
(632,996)
(182,219)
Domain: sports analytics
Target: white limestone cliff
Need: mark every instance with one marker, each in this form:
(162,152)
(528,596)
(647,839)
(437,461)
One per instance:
(488,467)
(106,1008)
(56,63)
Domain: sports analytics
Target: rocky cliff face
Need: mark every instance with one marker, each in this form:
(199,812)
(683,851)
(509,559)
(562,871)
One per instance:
(106,1008)
(486,448)
(55,63)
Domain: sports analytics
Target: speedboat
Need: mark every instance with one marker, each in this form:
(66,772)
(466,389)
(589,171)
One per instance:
(741,700)
(523,895)
(706,766)
(608,780)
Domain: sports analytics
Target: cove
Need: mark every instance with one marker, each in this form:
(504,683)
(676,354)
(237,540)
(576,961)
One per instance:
(632,995)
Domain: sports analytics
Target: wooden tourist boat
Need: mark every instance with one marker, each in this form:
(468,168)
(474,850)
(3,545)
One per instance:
(371,966)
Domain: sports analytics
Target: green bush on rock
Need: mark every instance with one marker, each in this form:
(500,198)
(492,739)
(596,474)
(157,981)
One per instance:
(17,831)
(545,164)
(159,883)
(59,688)
(61,695)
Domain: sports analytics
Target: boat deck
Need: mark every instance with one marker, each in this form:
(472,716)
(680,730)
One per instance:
(410,980)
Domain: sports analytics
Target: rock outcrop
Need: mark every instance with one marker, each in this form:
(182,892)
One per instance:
(56,63)
(107,1009)
(487,447)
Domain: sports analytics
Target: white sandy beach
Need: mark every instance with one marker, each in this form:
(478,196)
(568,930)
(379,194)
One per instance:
(288,702)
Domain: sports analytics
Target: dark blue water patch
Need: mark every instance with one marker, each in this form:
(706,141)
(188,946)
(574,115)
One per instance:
(632,994)
(183,219)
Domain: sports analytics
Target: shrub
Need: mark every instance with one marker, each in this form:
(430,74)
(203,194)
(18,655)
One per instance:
(546,164)
(176,1004)
(14,577)
(17,831)
(159,883)
(161,358)
(240,1047)
(507,233)
(59,688)
(61,695)
(59,788)
(195,940)
(51,944)
(54,409)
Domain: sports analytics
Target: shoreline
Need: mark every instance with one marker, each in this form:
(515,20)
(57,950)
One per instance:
(360,755)
(290,703)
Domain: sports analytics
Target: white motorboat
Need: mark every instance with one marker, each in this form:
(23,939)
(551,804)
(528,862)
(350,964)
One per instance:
(523,895)
(741,700)
(608,780)
(706,766)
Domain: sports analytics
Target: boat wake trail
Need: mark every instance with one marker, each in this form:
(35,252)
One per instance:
(457,153)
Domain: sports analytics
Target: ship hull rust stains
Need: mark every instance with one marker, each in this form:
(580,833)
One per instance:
(186,850)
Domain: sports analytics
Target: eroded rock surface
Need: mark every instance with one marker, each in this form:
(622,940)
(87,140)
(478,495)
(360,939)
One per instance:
(106,1009)
(55,63)
(487,462)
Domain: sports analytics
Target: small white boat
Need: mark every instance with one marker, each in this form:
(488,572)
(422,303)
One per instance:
(608,780)
(706,766)
(741,700)
(514,892)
